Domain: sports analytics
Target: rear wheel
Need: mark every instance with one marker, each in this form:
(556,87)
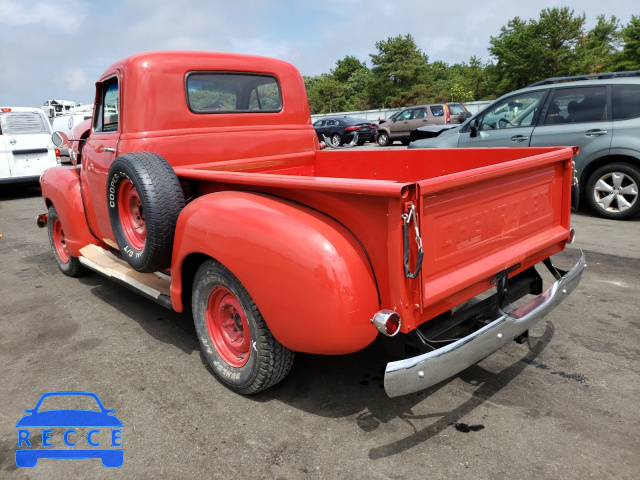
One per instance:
(68,264)
(234,337)
(612,191)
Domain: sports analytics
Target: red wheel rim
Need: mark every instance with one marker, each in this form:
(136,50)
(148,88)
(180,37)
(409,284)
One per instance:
(228,327)
(59,242)
(131,215)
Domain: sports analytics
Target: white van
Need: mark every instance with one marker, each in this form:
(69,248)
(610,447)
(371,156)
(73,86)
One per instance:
(26,149)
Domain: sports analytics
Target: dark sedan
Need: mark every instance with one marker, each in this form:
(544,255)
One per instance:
(340,130)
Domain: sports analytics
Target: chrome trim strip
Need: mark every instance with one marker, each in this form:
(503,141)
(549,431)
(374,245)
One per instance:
(417,373)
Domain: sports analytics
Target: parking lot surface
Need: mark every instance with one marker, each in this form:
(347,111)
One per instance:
(565,406)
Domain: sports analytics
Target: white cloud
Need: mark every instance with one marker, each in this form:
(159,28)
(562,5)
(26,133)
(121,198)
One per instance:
(77,80)
(56,16)
(81,38)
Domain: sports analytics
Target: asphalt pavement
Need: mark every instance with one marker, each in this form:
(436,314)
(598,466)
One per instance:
(565,406)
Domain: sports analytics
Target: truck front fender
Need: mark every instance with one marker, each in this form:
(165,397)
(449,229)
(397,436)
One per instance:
(307,274)
(61,188)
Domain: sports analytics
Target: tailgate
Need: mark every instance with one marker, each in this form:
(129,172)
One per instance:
(479,222)
(29,162)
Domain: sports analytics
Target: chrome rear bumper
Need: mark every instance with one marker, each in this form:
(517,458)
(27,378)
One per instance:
(417,373)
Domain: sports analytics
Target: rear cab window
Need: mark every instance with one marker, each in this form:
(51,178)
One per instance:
(232,92)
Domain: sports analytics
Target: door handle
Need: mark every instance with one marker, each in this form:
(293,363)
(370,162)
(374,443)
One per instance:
(519,138)
(595,133)
(107,149)
(13,141)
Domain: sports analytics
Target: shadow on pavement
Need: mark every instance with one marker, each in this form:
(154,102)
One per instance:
(331,386)
(16,192)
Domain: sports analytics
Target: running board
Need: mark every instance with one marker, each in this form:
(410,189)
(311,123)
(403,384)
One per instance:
(154,286)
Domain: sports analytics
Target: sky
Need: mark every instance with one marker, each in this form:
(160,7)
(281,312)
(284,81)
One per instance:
(57,49)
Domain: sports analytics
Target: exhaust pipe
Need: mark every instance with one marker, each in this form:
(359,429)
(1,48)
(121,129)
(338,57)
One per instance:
(41,220)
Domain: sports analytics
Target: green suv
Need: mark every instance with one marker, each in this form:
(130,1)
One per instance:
(600,114)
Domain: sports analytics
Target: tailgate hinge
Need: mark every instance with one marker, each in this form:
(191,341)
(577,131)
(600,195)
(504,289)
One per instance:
(410,208)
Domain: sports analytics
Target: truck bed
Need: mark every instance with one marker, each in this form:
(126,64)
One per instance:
(480,211)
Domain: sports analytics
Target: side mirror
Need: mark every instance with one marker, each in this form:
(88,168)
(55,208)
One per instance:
(60,139)
(473,127)
(394,119)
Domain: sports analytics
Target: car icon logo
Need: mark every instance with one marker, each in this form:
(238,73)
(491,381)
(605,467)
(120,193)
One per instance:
(69,433)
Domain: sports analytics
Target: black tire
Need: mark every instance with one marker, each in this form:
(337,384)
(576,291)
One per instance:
(612,191)
(336,140)
(383,139)
(247,365)
(405,142)
(145,236)
(68,264)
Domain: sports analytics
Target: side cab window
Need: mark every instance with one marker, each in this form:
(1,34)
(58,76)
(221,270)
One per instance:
(107,111)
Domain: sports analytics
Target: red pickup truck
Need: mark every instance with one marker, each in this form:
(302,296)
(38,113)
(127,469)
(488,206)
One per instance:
(201,185)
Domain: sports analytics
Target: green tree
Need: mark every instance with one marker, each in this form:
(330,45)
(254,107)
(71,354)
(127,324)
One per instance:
(527,52)
(629,57)
(398,66)
(512,50)
(325,94)
(557,34)
(347,67)
(595,52)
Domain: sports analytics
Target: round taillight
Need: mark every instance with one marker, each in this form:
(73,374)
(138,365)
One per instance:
(393,325)
(387,322)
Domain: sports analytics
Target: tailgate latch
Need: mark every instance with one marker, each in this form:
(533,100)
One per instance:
(407,218)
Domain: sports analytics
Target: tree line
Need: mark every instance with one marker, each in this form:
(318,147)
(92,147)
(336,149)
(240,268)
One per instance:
(557,44)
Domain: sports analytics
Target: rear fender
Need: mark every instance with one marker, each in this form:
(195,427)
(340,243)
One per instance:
(307,274)
(61,188)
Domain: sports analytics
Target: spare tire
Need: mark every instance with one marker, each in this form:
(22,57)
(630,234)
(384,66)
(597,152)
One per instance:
(144,199)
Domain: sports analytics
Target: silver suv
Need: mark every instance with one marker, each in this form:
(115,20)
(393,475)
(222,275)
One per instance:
(600,114)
